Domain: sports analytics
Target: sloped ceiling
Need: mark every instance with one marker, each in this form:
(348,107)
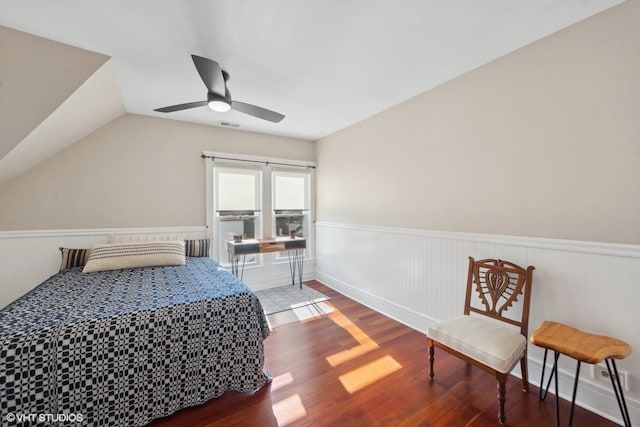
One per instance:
(325,64)
(51,95)
(37,75)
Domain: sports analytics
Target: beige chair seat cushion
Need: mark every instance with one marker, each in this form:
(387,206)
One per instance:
(494,345)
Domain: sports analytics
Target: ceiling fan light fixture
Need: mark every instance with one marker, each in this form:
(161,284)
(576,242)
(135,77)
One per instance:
(219,105)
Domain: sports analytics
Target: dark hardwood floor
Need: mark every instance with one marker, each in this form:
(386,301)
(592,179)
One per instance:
(356,367)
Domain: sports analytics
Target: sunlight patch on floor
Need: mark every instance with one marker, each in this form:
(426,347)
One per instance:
(281,381)
(300,314)
(289,410)
(312,311)
(365,375)
(366,343)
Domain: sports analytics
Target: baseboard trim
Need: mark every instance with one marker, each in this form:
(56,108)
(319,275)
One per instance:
(589,393)
(413,319)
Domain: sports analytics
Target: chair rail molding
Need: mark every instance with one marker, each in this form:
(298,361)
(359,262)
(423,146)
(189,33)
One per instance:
(31,256)
(190,231)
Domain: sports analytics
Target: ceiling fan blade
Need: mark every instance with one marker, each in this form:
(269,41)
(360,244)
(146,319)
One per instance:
(179,107)
(255,111)
(211,74)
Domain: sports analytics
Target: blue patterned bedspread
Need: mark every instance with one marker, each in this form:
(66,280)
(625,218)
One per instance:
(124,347)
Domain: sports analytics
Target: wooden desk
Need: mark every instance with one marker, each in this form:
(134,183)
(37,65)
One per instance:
(293,246)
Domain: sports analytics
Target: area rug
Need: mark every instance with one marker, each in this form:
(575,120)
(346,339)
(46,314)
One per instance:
(305,313)
(288,297)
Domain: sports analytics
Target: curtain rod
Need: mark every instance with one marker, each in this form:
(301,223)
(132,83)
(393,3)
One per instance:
(204,156)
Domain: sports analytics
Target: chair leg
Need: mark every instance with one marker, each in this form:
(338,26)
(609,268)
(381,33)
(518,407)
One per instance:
(525,373)
(431,353)
(502,391)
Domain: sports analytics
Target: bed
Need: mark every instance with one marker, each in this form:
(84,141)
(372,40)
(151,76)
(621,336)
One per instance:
(124,347)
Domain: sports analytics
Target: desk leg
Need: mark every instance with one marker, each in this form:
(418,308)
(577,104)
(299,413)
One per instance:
(292,267)
(236,269)
(300,265)
(296,262)
(233,260)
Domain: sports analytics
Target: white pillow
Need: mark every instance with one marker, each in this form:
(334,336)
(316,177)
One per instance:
(116,256)
(130,238)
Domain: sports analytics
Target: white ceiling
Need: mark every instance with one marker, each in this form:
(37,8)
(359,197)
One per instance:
(325,64)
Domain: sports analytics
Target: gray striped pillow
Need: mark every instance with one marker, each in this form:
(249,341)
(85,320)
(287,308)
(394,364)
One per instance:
(73,258)
(117,256)
(197,247)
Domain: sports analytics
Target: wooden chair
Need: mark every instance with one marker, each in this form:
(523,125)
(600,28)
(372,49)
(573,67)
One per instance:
(493,346)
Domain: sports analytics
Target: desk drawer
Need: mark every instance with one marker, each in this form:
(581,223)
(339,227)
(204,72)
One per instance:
(271,246)
(242,248)
(295,244)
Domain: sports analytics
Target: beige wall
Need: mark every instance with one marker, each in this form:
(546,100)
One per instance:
(543,142)
(136,171)
(36,76)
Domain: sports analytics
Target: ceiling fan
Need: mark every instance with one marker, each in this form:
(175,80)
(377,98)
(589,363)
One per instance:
(218,96)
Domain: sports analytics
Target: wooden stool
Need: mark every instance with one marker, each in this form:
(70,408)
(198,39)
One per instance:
(584,347)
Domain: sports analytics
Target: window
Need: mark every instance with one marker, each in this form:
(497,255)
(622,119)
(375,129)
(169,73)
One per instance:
(258,198)
(236,205)
(290,202)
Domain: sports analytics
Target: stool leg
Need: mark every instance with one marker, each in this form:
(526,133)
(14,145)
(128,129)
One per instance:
(542,396)
(617,388)
(554,373)
(575,389)
(544,365)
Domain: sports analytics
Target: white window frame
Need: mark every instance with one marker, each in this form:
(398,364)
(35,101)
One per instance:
(256,172)
(267,229)
(306,212)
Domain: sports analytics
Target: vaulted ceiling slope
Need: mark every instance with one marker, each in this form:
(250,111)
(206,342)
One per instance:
(325,64)
(51,95)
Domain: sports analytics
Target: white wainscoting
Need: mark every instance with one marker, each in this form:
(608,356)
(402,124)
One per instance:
(30,257)
(418,277)
(268,275)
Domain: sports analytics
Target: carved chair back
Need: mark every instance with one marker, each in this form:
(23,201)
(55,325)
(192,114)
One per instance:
(498,285)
